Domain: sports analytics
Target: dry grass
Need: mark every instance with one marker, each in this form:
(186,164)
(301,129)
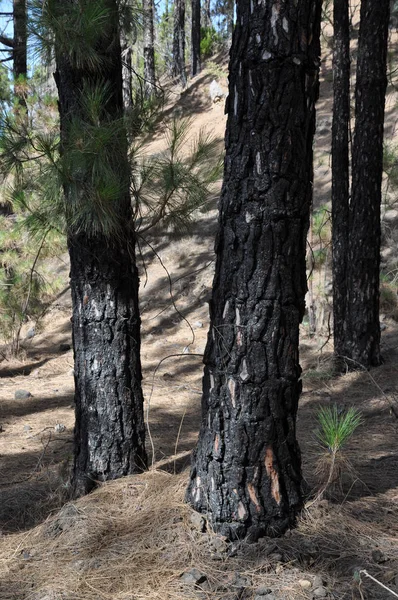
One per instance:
(132,539)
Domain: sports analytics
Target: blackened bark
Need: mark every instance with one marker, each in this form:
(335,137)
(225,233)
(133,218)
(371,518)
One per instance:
(340,169)
(195,38)
(363,326)
(179,42)
(246,471)
(20,50)
(149,49)
(109,431)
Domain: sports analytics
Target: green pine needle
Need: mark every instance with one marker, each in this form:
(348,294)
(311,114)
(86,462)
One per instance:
(337,427)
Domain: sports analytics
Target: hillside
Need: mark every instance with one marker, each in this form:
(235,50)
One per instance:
(135,538)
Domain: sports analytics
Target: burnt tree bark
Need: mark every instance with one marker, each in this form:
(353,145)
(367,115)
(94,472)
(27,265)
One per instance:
(179,42)
(149,49)
(109,431)
(246,471)
(363,326)
(340,169)
(20,50)
(195,38)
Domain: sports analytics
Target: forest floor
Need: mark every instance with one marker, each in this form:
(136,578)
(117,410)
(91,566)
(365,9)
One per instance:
(135,539)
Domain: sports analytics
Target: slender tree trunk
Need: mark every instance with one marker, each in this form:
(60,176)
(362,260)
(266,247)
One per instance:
(230,17)
(149,49)
(20,50)
(109,432)
(363,328)
(246,471)
(127,73)
(195,37)
(179,42)
(340,170)
(206,14)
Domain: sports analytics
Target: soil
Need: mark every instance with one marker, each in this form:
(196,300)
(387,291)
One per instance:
(354,527)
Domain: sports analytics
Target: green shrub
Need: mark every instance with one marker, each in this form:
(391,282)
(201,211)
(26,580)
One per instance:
(210,42)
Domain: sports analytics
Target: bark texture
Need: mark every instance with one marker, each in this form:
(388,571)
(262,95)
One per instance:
(149,49)
(340,169)
(20,49)
(109,431)
(363,326)
(179,42)
(206,14)
(195,38)
(127,73)
(246,471)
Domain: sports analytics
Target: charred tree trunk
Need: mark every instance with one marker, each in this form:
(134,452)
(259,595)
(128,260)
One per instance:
(20,50)
(149,49)
(195,37)
(363,326)
(109,431)
(246,471)
(179,42)
(340,169)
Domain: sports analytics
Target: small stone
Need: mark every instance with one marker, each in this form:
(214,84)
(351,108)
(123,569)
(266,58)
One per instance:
(241,582)
(198,521)
(390,215)
(320,592)
(219,543)
(378,556)
(198,324)
(60,428)
(318,581)
(263,591)
(193,577)
(65,347)
(30,333)
(305,584)
(22,395)
(27,428)
(216,92)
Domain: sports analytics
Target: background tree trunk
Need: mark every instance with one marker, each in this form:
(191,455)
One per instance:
(340,169)
(127,76)
(20,50)
(195,36)
(246,471)
(109,432)
(206,14)
(363,326)
(179,42)
(149,49)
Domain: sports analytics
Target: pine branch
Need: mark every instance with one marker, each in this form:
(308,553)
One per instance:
(6,41)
